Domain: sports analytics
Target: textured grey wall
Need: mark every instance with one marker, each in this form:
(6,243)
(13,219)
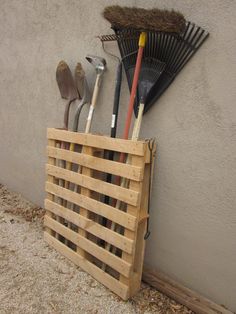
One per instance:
(193,218)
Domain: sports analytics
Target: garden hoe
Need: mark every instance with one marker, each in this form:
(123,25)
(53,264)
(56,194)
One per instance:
(100,65)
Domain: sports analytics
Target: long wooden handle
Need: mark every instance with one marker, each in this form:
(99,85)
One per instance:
(142,42)
(90,115)
(137,124)
(93,103)
(124,181)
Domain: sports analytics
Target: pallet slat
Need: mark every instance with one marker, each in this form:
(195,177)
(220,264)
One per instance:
(96,207)
(90,247)
(125,195)
(93,270)
(108,166)
(98,141)
(91,226)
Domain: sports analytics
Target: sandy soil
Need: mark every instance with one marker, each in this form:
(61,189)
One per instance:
(34,278)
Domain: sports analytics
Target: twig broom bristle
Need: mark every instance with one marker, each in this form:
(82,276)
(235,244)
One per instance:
(145,20)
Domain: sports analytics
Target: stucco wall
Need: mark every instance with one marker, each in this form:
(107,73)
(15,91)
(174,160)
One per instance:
(193,214)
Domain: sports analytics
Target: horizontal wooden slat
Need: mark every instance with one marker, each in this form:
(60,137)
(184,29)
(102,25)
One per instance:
(85,223)
(104,142)
(108,281)
(125,195)
(100,253)
(126,220)
(108,166)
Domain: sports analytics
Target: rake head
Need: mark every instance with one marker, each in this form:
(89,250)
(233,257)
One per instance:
(173,51)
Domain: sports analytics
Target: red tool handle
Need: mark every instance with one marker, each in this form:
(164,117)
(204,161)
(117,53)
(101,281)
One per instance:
(142,40)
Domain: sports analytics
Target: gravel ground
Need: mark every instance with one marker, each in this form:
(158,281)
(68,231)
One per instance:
(36,279)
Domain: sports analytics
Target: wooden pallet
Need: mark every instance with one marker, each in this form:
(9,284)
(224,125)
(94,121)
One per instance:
(78,233)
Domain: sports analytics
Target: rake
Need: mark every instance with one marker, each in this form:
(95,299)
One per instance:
(172,49)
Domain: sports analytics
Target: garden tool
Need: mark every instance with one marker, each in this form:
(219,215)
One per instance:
(174,50)
(82,86)
(150,72)
(68,91)
(141,20)
(115,110)
(100,66)
(67,88)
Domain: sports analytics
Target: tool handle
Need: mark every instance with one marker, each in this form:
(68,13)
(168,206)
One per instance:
(66,113)
(137,123)
(142,40)
(116,100)
(93,103)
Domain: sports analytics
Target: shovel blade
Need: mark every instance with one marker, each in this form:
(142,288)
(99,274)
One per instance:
(65,82)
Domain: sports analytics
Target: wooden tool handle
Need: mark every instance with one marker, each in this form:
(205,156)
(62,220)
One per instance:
(93,103)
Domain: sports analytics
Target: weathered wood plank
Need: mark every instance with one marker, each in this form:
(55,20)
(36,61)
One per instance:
(98,141)
(108,281)
(107,211)
(108,166)
(125,195)
(90,226)
(181,294)
(112,260)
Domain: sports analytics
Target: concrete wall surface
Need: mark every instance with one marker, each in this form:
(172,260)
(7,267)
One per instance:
(193,212)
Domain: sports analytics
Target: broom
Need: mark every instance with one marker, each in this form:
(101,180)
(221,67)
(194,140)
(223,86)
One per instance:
(142,20)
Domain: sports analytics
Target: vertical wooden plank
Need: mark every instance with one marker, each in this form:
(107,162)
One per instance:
(142,226)
(51,197)
(134,211)
(86,192)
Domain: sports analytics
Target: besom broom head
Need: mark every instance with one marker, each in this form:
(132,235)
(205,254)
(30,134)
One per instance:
(145,20)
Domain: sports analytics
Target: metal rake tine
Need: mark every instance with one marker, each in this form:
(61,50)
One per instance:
(183,45)
(193,51)
(188,51)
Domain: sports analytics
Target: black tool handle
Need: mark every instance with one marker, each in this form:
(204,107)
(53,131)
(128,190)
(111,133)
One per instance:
(114,118)
(116,100)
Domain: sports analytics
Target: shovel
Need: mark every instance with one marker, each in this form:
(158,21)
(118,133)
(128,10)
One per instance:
(67,88)
(68,91)
(83,90)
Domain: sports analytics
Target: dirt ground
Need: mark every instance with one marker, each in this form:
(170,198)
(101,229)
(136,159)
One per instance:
(34,278)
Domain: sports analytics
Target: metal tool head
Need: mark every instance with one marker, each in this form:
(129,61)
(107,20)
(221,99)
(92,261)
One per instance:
(79,76)
(82,86)
(67,88)
(65,82)
(173,50)
(98,62)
